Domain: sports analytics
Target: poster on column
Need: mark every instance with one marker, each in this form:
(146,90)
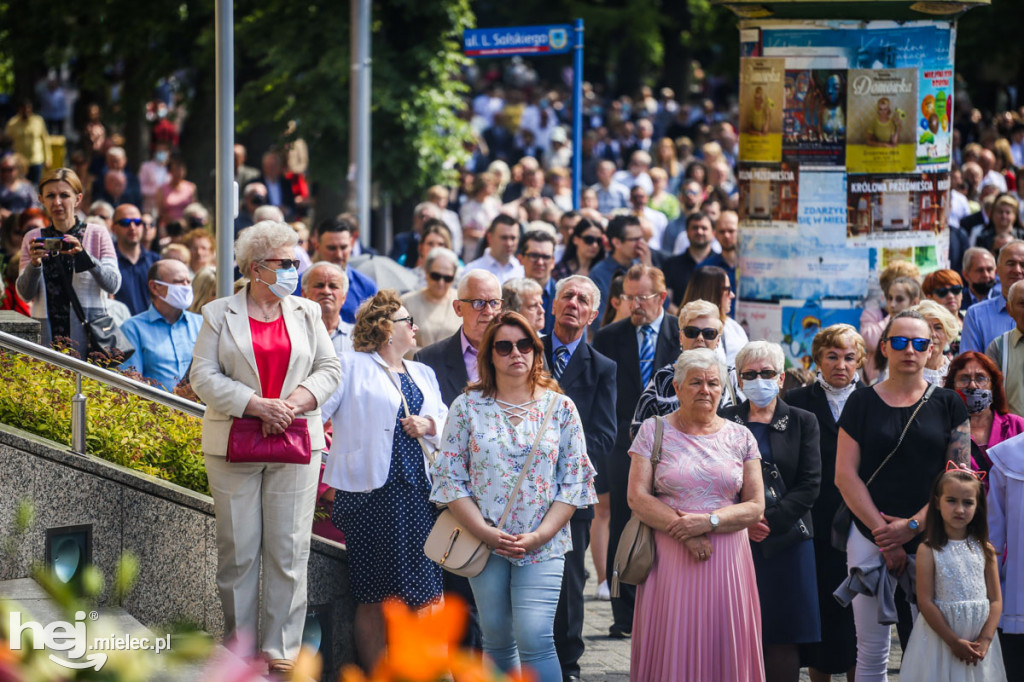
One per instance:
(801,323)
(814,119)
(769,196)
(935,118)
(823,264)
(761,321)
(879,138)
(897,211)
(761,99)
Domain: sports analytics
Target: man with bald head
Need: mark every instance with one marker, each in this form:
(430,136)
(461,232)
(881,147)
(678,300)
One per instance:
(166,332)
(327,284)
(133,259)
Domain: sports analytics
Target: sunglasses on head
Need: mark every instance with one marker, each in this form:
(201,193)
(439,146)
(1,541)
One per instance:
(125,222)
(942,292)
(900,343)
(590,240)
(709,333)
(438,277)
(523,345)
(751,374)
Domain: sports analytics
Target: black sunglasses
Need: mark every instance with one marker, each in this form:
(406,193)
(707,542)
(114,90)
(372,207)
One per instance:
(438,277)
(900,343)
(750,375)
(942,292)
(590,240)
(709,333)
(523,345)
(285,262)
(125,222)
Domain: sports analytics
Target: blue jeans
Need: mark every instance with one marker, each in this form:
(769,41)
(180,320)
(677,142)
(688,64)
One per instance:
(517,614)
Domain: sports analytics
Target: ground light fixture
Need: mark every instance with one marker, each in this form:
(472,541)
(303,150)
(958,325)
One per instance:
(316,632)
(68,552)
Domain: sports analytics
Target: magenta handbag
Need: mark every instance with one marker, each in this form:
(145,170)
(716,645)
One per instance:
(246,443)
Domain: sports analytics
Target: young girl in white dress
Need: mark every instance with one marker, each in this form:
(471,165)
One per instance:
(954,638)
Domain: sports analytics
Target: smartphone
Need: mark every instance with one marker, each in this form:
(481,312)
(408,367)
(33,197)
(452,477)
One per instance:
(53,244)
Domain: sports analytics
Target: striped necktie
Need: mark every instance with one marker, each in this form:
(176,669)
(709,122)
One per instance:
(561,360)
(646,354)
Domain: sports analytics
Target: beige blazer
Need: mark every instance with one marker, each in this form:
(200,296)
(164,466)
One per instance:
(224,373)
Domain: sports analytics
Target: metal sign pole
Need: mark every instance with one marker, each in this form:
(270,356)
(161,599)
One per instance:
(577,115)
(225,168)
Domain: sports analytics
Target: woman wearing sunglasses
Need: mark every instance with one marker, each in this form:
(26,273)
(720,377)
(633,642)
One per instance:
(433,306)
(782,544)
(901,437)
(946,288)
(699,327)
(584,250)
(264,354)
(490,430)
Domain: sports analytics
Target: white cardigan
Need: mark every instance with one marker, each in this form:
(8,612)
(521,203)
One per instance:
(363,411)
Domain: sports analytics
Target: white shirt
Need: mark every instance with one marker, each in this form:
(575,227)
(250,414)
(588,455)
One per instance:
(504,272)
(624,177)
(363,411)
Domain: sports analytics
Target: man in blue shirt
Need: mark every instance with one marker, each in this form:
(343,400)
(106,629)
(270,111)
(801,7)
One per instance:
(988,319)
(164,334)
(133,259)
(628,247)
(334,239)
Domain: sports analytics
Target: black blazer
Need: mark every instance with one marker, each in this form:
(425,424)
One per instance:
(618,343)
(445,358)
(793,435)
(812,398)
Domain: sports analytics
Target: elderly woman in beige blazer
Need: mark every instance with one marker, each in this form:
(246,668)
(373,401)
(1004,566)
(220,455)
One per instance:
(264,353)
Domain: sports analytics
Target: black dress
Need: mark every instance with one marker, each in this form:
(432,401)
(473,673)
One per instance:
(385,529)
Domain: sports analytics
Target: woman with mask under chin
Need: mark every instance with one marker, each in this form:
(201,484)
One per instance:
(979,382)
(264,354)
(782,544)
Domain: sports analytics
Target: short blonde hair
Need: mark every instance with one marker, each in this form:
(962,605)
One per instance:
(373,321)
(696,309)
(931,310)
(838,336)
(204,288)
(258,241)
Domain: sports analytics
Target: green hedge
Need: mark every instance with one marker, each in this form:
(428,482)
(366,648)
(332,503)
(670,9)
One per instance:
(121,427)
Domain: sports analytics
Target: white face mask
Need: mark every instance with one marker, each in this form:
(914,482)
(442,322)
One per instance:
(178,295)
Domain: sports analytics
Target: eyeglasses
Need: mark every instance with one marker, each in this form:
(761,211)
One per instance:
(709,333)
(979,380)
(479,303)
(285,262)
(125,222)
(751,374)
(523,345)
(942,292)
(590,240)
(900,343)
(643,298)
(538,256)
(406,319)
(438,277)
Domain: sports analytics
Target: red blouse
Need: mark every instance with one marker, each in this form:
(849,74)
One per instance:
(272,348)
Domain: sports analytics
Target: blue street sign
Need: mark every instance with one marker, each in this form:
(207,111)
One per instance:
(518,40)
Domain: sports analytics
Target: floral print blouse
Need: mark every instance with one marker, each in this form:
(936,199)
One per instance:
(482,453)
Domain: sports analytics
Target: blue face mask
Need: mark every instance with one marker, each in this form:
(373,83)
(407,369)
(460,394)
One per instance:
(287,280)
(761,392)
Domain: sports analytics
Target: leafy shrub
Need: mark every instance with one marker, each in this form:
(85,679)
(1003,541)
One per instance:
(121,427)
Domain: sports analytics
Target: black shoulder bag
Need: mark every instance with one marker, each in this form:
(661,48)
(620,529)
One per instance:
(107,344)
(844,517)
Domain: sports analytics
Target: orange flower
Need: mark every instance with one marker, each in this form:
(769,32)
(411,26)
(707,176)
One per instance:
(419,642)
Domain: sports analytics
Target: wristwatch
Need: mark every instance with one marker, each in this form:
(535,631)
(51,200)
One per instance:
(913,525)
(713,518)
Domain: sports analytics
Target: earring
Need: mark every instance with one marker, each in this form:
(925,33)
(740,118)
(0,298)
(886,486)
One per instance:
(391,340)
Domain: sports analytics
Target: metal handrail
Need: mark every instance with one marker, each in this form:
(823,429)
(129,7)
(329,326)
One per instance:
(96,373)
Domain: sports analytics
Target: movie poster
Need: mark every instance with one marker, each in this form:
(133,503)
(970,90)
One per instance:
(814,119)
(897,211)
(761,99)
(768,195)
(880,138)
(935,120)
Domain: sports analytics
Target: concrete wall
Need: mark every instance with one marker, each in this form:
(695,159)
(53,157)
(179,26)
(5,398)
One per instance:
(170,529)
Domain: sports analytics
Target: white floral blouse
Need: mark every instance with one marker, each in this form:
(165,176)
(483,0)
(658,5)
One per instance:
(482,453)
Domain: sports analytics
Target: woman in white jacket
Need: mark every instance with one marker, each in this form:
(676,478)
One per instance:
(387,415)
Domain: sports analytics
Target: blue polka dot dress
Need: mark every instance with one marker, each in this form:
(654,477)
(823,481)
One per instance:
(385,529)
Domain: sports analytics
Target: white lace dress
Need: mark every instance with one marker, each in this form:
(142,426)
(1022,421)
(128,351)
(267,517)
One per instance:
(961,596)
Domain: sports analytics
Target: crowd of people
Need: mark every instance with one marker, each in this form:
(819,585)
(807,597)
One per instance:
(599,344)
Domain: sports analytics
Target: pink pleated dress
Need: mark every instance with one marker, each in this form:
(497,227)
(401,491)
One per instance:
(698,621)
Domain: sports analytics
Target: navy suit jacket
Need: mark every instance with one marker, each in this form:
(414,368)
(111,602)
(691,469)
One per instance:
(445,358)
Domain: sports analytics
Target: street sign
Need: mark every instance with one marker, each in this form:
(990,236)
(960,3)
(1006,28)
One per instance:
(518,40)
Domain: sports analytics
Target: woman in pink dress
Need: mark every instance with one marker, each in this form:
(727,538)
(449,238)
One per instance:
(172,198)
(697,616)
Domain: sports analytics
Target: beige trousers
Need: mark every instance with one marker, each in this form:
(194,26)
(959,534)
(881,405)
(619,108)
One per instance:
(264,514)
